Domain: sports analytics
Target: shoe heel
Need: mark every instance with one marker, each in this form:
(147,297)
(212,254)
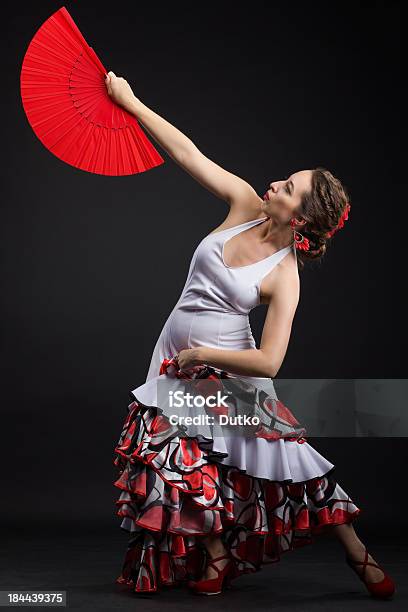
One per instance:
(213,586)
(384,589)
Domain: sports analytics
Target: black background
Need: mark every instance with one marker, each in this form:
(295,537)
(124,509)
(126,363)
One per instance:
(92,265)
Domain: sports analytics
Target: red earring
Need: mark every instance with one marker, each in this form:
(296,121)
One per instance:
(301,242)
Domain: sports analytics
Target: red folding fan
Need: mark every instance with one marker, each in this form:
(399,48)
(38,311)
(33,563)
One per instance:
(66,102)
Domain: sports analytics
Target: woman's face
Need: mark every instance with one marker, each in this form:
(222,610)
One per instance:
(282,200)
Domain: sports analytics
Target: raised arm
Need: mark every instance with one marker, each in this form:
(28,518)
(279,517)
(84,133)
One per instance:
(222,183)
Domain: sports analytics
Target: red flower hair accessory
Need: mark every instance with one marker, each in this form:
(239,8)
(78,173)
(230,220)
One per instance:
(343,218)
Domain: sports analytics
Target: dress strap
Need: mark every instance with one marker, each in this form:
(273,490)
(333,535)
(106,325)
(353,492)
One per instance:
(242,225)
(268,266)
(237,227)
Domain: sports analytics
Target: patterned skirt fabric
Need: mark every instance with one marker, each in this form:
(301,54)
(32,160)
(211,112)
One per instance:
(174,491)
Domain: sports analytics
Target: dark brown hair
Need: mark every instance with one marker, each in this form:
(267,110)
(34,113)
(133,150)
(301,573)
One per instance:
(321,208)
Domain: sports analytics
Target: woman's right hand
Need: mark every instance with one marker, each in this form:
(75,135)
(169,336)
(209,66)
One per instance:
(120,92)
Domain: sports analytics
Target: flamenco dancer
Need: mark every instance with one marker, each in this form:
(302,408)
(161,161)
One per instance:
(201,512)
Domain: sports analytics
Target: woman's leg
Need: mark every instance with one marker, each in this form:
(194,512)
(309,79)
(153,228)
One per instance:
(354,548)
(215,548)
(345,533)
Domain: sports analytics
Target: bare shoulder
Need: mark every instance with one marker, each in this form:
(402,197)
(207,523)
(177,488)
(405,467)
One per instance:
(282,282)
(243,209)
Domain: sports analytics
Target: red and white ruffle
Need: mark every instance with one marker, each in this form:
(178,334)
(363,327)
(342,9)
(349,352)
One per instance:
(175,490)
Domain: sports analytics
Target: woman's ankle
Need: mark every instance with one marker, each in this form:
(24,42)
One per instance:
(215,548)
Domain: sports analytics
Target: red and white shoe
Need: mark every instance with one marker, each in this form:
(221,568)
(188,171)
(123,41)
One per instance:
(383,589)
(214,586)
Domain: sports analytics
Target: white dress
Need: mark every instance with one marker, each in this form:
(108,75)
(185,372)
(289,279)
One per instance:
(263,497)
(213,311)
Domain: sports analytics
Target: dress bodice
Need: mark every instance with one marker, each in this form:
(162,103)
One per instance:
(212,285)
(213,307)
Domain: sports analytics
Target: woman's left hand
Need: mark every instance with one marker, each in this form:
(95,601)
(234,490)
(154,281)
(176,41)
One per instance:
(187,358)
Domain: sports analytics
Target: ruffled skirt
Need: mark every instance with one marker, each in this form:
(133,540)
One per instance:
(175,490)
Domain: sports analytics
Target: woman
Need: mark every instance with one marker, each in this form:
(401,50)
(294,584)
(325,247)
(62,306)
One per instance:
(201,509)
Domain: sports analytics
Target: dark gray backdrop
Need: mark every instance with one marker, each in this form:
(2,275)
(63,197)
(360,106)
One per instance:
(92,265)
